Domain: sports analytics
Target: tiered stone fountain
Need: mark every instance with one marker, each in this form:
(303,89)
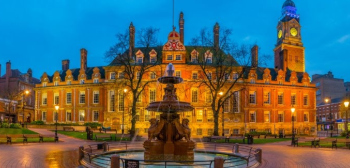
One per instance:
(168,139)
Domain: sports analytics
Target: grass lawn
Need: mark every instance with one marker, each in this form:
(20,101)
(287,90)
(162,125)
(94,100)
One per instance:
(258,141)
(326,144)
(11,131)
(82,135)
(5,131)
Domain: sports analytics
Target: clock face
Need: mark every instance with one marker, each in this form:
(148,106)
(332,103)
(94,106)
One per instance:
(293,31)
(280,34)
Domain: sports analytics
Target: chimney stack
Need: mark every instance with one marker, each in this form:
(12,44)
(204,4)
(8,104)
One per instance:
(30,72)
(8,69)
(182,27)
(83,59)
(216,35)
(254,52)
(65,65)
(131,39)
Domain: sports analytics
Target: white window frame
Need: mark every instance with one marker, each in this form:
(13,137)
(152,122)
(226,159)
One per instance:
(96,80)
(96,92)
(81,93)
(68,111)
(306,101)
(308,116)
(56,101)
(93,115)
(169,57)
(178,55)
(199,115)
(111,102)
(178,74)
(56,83)
(139,60)
(268,97)
(194,96)
(112,75)
(152,95)
(43,115)
(81,114)
(70,98)
(278,118)
(280,98)
(82,81)
(44,98)
(252,97)
(153,75)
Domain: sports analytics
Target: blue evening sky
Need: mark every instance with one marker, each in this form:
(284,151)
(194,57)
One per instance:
(38,34)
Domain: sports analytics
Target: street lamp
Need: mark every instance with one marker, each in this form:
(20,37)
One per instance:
(223,119)
(346,104)
(125,90)
(26,92)
(330,111)
(293,135)
(56,117)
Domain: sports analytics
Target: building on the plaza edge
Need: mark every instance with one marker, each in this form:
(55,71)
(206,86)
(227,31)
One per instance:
(262,103)
(13,85)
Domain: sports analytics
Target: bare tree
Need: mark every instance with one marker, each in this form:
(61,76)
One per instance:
(11,101)
(143,59)
(222,65)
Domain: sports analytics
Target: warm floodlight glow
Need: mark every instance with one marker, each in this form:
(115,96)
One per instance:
(26,92)
(125,90)
(221,93)
(326,100)
(346,104)
(57,107)
(292,109)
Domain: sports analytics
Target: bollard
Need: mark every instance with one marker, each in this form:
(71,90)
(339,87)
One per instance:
(81,153)
(219,162)
(258,155)
(105,146)
(236,148)
(115,161)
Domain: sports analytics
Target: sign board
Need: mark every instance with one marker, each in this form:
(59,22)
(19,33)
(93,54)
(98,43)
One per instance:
(132,164)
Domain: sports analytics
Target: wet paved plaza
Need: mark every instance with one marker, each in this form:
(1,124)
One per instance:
(64,154)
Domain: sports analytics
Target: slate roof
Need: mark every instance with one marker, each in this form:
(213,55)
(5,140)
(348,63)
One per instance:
(75,73)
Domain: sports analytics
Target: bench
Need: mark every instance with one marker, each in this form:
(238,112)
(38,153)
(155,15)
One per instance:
(11,137)
(315,142)
(68,129)
(270,136)
(49,136)
(26,136)
(235,137)
(216,138)
(105,129)
(255,135)
(345,141)
(103,136)
(245,152)
(5,137)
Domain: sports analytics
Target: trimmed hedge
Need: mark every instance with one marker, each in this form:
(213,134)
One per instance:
(15,125)
(92,124)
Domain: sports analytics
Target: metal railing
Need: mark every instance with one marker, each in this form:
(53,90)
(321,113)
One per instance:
(246,156)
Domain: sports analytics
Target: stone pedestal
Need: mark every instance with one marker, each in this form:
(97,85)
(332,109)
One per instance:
(184,150)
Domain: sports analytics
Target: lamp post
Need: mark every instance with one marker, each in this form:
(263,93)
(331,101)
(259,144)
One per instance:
(346,104)
(26,92)
(56,117)
(293,135)
(223,120)
(330,111)
(125,90)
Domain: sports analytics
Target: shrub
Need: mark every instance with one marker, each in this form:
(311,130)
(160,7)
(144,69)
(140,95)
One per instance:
(15,125)
(343,134)
(37,122)
(5,125)
(92,124)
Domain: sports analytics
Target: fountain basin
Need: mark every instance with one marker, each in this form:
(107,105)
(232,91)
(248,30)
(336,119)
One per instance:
(169,106)
(201,159)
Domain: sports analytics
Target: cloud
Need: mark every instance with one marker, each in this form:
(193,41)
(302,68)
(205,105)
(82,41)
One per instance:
(343,39)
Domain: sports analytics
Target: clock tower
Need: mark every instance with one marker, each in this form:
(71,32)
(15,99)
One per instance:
(289,51)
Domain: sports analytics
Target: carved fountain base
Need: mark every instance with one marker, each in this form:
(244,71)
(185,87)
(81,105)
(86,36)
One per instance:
(159,150)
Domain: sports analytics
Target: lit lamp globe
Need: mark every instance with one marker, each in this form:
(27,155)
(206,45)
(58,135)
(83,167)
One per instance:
(346,104)
(57,107)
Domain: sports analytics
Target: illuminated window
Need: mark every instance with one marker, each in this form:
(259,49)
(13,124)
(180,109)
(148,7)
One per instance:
(199,131)
(96,80)
(199,116)
(147,116)
(194,96)
(82,81)
(208,97)
(120,101)
(227,105)
(137,116)
(111,100)
(56,98)
(152,95)
(56,83)
(226,131)
(210,132)
(81,115)
(210,116)
(178,74)
(44,84)
(235,102)
(235,131)
(82,97)
(68,115)
(44,98)
(69,82)
(266,116)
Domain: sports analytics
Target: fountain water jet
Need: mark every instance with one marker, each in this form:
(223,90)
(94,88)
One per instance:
(169,132)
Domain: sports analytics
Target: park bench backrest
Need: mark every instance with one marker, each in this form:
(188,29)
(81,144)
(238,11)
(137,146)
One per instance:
(31,135)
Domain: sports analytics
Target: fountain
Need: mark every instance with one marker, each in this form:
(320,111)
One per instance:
(165,137)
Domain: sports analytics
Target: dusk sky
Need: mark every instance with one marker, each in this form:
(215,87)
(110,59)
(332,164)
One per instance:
(38,34)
